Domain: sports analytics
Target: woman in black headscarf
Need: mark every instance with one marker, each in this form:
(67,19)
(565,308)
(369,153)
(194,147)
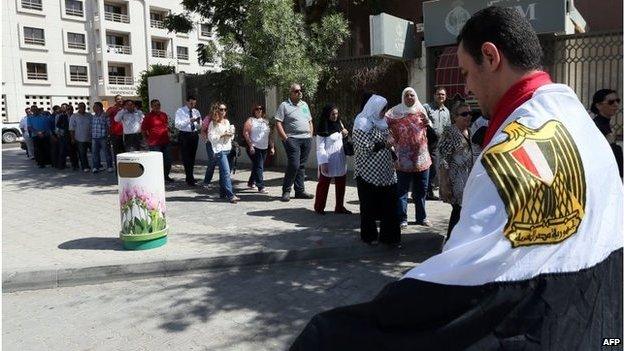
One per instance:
(332,161)
(605,105)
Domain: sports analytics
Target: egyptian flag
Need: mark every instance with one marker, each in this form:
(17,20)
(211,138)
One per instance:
(535,262)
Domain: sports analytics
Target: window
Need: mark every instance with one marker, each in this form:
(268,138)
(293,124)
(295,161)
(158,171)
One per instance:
(76,41)
(118,44)
(116,71)
(182,53)
(205,30)
(115,13)
(34,36)
(159,49)
(157,20)
(36,71)
(117,76)
(78,74)
(73,8)
(32,4)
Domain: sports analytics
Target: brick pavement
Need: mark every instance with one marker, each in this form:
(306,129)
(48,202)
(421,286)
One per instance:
(69,220)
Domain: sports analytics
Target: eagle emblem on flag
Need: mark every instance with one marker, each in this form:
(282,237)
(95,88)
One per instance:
(539,176)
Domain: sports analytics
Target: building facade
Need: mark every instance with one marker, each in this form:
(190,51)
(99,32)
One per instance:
(56,51)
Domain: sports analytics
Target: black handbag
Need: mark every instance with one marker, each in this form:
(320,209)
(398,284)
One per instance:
(347,144)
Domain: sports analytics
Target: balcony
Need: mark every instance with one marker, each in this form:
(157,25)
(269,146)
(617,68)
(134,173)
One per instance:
(37,75)
(34,41)
(74,12)
(119,49)
(120,80)
(78,77)
(32,5)
(161,53)
(157,24)
(183,57)
(116,17)
(79,46)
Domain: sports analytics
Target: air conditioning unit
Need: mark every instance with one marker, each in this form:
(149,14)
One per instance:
(392,37)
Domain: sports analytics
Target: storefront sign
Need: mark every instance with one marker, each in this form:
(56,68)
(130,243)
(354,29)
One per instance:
(444,19)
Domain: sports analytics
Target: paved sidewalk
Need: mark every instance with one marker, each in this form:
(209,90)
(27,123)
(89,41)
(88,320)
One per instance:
(61,228)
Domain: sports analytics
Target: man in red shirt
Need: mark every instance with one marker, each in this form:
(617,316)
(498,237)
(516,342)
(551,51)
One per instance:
(155,128)
(116,128)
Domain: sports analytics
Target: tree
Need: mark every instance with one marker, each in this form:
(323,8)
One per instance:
(271,42)
(153,70)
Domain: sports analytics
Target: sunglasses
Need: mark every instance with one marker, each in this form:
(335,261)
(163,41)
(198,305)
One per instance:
(611,102)
(222,109)
(465,114)
(296,91)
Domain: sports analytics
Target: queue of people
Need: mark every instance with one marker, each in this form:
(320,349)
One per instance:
(395,150)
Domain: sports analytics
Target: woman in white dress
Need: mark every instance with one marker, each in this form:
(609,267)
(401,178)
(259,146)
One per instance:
(332,161)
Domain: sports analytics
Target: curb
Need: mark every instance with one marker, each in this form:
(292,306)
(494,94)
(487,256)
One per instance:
(420,248)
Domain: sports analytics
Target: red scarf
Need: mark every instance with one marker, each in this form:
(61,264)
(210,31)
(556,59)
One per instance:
(518,94)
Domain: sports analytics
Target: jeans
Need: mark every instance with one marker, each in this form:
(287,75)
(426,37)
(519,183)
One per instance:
(257,168)
(210,164)
(419,181)
(164,149)
(83,146)
(297,151)
(225,182)
(98,144)
(117,144)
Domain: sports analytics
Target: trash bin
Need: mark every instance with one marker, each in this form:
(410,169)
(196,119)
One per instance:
(142,200)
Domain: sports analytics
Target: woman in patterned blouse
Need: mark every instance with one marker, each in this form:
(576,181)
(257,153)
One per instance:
(375,175)
(456,160)
(408,125)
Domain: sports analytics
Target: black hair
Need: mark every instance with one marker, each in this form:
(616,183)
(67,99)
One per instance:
(154,101)
(599,97)
(97,103)
(128,100)
(191,97)
(440,88)
(83,104)
(509,31)
(116,96)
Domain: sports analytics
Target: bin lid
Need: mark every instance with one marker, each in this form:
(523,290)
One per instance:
(138,156)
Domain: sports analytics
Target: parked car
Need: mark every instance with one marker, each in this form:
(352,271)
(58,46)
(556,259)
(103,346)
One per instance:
(11,132)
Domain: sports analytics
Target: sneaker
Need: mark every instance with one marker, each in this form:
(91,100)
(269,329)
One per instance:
(169,180)
(86,170)
(110,170)
(94,171)
(403,224)
(424,223)
(343,211)
(432,197)
(304,195)
(251,185)
(321,212)
(285,197)
(263,191)
(235,199)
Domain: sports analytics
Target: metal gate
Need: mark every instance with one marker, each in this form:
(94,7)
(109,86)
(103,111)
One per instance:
(586,63)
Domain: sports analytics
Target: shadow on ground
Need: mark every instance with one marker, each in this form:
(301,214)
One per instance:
(93,243)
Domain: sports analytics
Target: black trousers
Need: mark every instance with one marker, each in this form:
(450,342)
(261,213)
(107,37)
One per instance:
(378,203)
(42,149)
(118,145)
(188,149)
(133,142)
(453,220)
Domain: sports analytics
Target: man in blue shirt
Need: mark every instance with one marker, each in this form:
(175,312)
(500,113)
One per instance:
(40,130)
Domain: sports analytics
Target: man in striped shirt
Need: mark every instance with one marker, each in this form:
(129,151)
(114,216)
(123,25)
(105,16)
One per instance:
(100,124)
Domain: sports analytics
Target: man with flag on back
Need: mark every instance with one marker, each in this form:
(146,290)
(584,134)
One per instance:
(535,262)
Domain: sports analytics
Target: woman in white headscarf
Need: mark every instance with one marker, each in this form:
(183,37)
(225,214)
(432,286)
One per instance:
(375,175)
(408,122)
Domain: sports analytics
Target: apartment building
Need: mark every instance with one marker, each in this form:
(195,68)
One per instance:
(56,51)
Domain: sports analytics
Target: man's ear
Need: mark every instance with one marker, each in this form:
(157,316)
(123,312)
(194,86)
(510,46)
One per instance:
(491,56)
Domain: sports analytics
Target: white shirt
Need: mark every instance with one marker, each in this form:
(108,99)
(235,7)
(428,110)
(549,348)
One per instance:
(131,121)
(23,124)
(259,133)
(215,131)
(183,121)
(329,150)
